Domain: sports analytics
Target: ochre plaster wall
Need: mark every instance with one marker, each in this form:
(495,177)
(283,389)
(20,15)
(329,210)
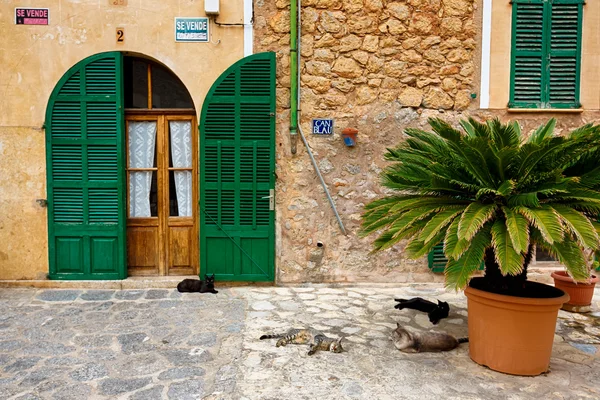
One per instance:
(33,59)
(501,46)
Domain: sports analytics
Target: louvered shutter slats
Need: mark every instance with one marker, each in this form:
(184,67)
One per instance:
(237,161)
(85,180)
(546,54)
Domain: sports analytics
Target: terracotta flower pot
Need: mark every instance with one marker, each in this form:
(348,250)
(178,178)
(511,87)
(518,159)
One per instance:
(511,334)
(580,293)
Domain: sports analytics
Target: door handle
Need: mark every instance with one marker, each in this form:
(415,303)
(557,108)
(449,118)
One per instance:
(271,198)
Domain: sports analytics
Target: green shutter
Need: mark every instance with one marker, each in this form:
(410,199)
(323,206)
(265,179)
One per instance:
(237,142)
(84,145)
(546,54)
(565,54)
(436,259)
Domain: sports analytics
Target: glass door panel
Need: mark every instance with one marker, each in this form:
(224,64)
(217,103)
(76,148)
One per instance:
(142,168)
(180,169)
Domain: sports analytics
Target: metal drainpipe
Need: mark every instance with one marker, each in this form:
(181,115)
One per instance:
(293,72)
(310,153)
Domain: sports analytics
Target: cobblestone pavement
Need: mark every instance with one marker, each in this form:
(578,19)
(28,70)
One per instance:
(160,344)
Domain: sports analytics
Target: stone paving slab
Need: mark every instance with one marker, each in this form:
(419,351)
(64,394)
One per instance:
(107,344)
(159,344)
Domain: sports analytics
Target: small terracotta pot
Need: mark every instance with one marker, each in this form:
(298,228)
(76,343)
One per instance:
(581,293)
(511,334)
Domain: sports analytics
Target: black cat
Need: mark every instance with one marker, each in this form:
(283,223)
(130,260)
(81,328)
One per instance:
(195,285)
(435,311)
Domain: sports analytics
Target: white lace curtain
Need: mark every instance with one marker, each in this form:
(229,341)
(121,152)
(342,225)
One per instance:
(181,152)
(142,141)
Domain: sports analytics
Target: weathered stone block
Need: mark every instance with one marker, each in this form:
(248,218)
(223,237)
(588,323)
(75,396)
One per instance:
(411,56)
(349,43)
(458,7)
(318,68)
(334,99)
(390,83)
(399,10)
(374,64)
(324,55)
(373,5)
(459,55)
(436,98)
(451,26)
(353,6)
(449,70)
(362,25)
(423,23)
(280,22)
(411,42)
(434,54)
(394,68)
(370,43)
(330,23)
(343,85)
(422,82)
(361,56)
(462,100)
(318,83)
(310,16)
(326,41)
(449,84)
(347,68)
(307,43)
(411,97)
(365,95)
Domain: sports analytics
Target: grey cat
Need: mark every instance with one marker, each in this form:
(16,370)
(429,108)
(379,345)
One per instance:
(417,342)
(315,339)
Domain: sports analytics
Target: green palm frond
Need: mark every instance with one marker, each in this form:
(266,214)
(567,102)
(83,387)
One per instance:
(543,132)
(439,222)
(509,260)
(545,220)
(572,256)
(489,186)
(518,229)
(473,218)
(579,225)
(459,271)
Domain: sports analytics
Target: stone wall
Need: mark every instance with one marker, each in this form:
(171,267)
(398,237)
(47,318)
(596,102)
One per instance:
(355,52)
(376,65)
(379,66)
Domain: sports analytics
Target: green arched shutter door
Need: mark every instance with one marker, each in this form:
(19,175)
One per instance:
(84,153)
(237,149)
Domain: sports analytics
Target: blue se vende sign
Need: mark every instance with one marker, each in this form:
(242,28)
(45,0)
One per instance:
(191,29)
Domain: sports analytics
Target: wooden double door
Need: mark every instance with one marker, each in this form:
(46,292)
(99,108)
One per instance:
(162,194)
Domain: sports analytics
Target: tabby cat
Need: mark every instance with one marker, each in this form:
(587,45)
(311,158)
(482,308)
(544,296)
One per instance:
(195,285)
(416,342)
(315,339)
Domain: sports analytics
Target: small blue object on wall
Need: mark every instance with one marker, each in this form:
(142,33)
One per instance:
(322,126)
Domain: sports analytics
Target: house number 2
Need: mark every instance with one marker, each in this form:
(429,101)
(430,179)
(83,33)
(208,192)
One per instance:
(120,35)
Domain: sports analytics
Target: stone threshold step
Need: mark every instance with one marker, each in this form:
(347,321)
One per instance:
(147,282)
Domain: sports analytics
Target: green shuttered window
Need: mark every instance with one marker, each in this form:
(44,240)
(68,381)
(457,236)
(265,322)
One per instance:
(546,53)
(84,144)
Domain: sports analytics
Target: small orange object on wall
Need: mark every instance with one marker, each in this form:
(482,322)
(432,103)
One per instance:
(349,136)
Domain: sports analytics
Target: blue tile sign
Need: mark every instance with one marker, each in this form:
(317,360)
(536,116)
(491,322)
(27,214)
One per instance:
(322,126)
(191,29)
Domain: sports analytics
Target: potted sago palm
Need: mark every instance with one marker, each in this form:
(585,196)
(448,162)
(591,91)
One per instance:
(490,193)
(580,293)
